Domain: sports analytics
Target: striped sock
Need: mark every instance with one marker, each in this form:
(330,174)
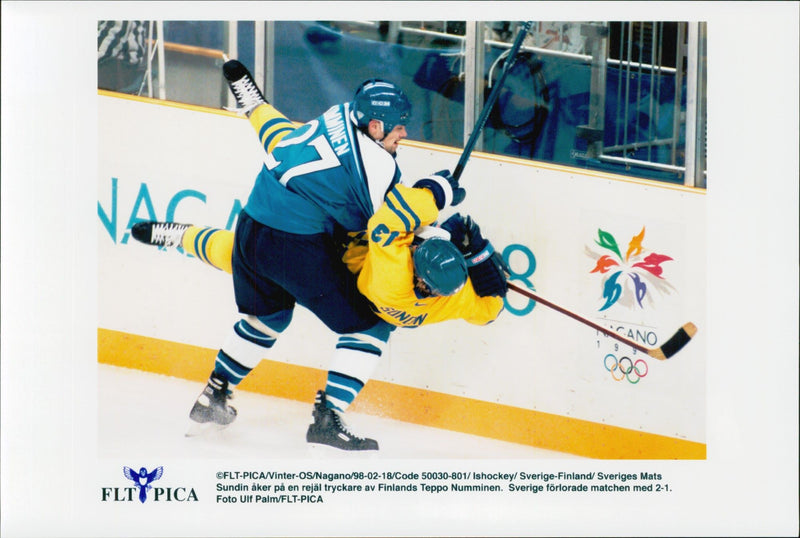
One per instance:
(270,125)
(341,390)
(247,344)
(355,358)
(213,246)
(228,368)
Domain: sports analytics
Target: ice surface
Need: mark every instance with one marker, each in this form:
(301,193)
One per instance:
(147,414)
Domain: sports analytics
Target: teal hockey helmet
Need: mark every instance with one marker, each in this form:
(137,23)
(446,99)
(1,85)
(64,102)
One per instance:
(378,99)
(440,266)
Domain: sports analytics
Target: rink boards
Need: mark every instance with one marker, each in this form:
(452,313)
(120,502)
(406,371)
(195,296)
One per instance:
(627,254)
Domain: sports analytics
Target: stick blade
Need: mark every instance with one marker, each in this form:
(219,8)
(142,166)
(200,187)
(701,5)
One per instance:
(675,343)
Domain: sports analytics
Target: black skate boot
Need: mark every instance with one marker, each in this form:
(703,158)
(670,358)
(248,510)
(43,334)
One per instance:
(160,234)
(244,88)
(212,406)
(329,429)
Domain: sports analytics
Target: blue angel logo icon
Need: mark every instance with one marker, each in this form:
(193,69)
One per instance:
(142,479)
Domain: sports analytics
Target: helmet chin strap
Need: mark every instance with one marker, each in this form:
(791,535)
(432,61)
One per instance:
(379,142)
(385,134)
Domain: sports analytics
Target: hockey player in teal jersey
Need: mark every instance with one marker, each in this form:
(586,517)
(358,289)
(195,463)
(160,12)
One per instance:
(319,181)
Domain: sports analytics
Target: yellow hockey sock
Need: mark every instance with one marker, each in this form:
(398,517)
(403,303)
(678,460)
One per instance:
(210,245)
(270,125)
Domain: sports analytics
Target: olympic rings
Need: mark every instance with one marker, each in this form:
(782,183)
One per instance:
(625,368)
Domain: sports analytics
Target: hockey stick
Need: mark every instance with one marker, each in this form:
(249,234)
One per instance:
(665,351)
(487,107)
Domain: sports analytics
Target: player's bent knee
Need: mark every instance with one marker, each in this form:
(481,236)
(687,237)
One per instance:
(273,323)
(381,330)
(371,341)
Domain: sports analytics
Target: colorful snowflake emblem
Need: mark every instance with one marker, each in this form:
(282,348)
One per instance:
(641,267)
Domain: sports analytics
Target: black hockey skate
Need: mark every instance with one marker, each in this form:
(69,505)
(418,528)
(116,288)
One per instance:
(212,406)
(329,429)
(244,88)
(161,234)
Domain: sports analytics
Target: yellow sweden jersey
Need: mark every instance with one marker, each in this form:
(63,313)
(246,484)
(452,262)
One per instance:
(387,275)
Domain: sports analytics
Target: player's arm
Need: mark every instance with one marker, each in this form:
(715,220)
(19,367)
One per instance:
(387,275)
(404,210)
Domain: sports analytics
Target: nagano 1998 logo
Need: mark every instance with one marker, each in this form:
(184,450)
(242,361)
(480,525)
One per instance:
(140,488)
(628,281)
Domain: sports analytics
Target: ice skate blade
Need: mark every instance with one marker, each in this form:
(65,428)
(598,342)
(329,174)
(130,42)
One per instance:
(196,429)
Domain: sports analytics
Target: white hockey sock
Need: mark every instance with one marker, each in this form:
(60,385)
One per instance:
(244,348)
(349,371)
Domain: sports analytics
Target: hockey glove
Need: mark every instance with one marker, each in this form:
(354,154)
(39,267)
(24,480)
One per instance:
(487,269)
(457,227)
(489,276)
(444,187)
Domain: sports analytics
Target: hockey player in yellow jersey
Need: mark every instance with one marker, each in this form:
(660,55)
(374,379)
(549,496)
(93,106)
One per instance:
(412,282)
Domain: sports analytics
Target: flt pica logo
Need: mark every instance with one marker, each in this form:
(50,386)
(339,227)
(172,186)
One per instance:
(141,489)
(142,479)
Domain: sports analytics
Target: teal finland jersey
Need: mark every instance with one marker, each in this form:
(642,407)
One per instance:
(323,173)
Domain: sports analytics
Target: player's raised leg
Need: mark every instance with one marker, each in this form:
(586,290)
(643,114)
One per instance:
(243,87)
(209,245)
(160,234)
(270,125)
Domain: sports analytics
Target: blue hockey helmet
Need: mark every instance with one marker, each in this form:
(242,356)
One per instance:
(378,99)
(440,266)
